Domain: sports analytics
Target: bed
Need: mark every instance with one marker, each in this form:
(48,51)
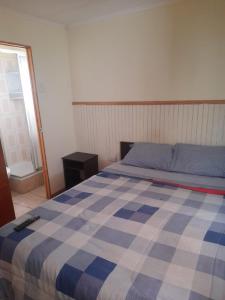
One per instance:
(125,233)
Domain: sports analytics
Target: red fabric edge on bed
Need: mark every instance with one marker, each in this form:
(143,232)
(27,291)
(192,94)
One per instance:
(192,188)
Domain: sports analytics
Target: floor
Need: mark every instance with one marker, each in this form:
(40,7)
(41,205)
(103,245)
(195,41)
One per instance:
(25,202)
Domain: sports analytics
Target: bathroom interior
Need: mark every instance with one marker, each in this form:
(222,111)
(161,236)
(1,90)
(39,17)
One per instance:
(18,131)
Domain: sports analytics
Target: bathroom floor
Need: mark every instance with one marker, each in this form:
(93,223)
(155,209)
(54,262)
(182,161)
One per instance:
(25,202)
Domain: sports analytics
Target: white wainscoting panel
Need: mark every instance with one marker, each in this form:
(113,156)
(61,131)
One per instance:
(100,128)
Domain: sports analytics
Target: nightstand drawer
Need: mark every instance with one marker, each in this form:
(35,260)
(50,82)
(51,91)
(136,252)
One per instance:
(72,164)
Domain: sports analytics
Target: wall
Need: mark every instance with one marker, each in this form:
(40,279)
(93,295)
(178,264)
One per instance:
(13,124)
(169,52)
(175,51)
(50,55)
(100,129)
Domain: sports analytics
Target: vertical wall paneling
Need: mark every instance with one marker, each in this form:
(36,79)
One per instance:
(100,128)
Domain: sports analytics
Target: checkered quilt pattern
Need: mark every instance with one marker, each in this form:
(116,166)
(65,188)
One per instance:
(116,237)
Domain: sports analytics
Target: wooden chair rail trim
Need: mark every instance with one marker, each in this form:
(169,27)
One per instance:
(150,102)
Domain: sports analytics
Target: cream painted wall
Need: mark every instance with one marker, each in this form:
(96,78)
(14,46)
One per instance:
(50,54)
(169,52)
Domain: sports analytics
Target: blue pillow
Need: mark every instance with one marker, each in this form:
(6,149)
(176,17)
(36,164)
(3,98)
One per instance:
(150,155)
(199,160)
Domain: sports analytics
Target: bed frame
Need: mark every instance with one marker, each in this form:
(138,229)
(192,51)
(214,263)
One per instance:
(125,148)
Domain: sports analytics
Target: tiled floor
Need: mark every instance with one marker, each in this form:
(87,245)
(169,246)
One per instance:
(25,202)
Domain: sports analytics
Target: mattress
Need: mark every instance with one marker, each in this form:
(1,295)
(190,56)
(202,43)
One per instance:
(118,235)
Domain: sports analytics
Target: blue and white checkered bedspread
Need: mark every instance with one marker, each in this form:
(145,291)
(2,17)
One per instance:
(117,237)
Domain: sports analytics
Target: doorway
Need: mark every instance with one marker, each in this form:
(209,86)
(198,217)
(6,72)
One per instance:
(20,128)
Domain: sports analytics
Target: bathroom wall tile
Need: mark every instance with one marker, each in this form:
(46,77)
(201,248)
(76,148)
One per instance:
(1,67)
(6,108)
(18,106)
(8,123)
(22,138)
(13,123)
(13,157)
(19,121)
(3,89)
(25,154)
(11,64)
(11,140)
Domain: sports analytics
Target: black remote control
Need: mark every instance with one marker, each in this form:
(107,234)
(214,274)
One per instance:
(26,223)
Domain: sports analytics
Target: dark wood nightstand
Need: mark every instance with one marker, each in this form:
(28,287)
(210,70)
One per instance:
(79,166)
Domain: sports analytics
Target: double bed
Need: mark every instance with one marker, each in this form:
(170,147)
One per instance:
(126,233)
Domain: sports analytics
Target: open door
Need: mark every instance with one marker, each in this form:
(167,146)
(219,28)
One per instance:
(7,213)
(37,116)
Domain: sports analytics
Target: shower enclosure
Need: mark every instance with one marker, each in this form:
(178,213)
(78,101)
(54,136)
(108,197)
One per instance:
(18,129)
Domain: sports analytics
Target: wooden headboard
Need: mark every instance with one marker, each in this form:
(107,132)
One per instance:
(125,148)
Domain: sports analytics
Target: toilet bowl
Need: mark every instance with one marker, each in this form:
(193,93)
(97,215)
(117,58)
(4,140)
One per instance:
(8,171)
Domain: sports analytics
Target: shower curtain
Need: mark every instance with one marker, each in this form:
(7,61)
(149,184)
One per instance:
(29,109)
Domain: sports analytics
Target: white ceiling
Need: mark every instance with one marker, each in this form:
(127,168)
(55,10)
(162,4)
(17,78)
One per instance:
(78,11)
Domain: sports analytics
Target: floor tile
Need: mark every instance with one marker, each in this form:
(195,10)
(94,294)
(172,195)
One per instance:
(25,202)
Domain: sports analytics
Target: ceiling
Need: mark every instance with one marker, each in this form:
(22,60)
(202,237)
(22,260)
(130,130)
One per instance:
(78,11)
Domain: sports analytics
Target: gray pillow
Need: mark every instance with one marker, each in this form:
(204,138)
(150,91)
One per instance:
(150,155)
(199,160)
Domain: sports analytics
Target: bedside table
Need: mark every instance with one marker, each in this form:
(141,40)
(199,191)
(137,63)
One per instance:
(79,166)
